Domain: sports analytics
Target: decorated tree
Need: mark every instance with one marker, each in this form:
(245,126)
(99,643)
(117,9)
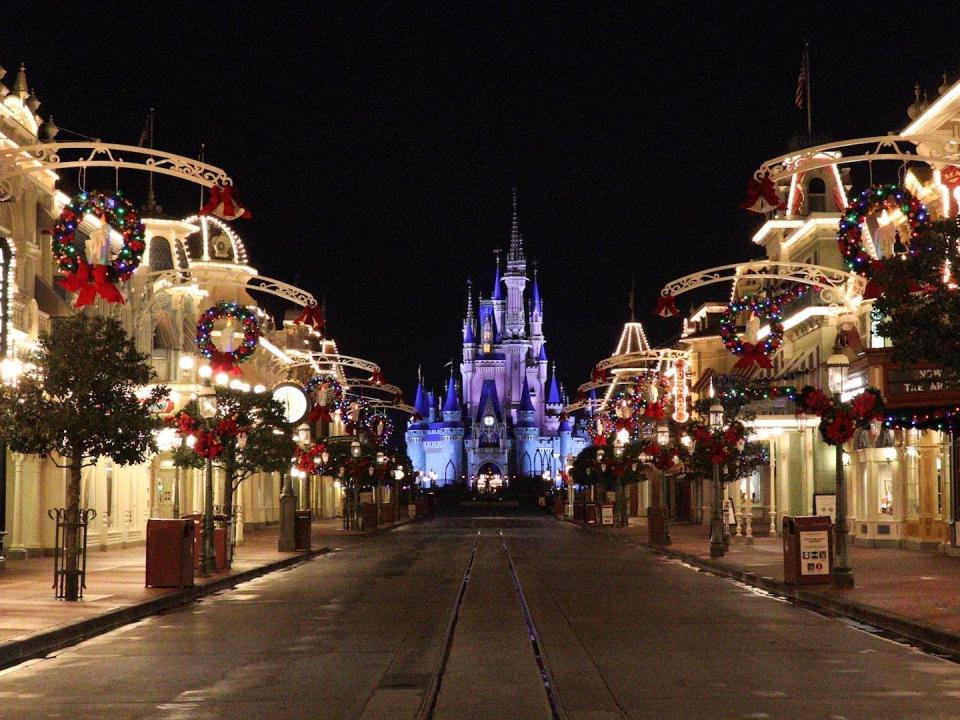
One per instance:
(78,402)
(247,436)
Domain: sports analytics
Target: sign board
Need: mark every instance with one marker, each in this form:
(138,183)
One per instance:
(825,505)
(901,381)
(412,510)
(814,552)
(606,515)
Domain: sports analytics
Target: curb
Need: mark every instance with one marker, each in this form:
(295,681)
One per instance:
(17,651)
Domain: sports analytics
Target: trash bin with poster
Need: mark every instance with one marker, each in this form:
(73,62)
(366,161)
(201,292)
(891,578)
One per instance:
(169,553)
(807,549)
(302,520)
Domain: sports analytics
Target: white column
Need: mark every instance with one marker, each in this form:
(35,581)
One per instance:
(17,548)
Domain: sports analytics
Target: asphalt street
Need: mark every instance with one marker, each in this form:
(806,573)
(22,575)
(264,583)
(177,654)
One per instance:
(430,619)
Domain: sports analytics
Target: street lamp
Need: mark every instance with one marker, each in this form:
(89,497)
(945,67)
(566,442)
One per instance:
(716,524)
(838,366)
(663,439)
(207,407)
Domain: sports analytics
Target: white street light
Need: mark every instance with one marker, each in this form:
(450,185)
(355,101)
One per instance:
(204,371)
(838,366)
(663,433)
(207,402)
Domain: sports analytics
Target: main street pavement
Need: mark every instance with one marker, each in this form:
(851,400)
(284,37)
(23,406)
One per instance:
(430,618)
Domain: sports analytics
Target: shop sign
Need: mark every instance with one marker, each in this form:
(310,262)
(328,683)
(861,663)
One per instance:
(825,505)
(606,515)
(901,381)
(814,552)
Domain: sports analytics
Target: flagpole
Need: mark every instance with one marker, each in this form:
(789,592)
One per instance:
(806,60)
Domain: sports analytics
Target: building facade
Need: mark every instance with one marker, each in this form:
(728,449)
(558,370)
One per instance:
(506,419)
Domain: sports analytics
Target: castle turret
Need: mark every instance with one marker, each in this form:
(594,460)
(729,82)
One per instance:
(417,430)
(536,316)
(451,406)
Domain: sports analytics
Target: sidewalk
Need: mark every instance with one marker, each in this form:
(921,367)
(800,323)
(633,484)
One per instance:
(33,623)
(912,593)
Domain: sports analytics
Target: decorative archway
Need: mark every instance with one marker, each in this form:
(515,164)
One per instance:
(490,477)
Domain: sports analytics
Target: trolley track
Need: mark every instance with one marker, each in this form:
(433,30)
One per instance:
(428,707)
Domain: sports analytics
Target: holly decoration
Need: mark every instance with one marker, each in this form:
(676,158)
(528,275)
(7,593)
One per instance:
(227,361)
(310,459)
(86,276)
(720,446)
(873,200)
(839,420)
(327,394)
(767,308)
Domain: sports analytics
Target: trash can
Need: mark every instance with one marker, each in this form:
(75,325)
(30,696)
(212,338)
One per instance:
(219,541)
(302,531)
(590,513)
(387,512)
(169,553)
(807,549)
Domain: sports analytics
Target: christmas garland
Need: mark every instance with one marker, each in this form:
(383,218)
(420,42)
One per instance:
(329,396)
(227,361)
(310,460)
(379,428)
(353,412)
(88,277)
(871,200)
(720,446)
(767,308)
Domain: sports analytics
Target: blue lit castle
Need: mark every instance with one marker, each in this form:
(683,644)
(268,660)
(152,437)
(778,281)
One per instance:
(510,421)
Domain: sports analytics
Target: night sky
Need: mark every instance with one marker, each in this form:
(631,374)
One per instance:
(377,146)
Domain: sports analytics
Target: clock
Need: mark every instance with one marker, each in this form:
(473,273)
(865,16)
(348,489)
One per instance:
(488,420)
(294,401)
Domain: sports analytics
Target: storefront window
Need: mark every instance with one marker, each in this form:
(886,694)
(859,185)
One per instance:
(939,486)
(913,483)
(885,491)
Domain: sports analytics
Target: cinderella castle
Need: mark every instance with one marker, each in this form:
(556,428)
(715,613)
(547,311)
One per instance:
(510,420)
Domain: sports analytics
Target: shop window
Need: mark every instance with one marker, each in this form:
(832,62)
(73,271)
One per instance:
(939,486)
(913,484)
(885,489)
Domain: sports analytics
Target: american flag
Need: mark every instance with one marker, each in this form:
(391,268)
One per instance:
(801,79)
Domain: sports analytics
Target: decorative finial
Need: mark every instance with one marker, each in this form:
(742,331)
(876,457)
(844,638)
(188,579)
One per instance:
(516,239)
(944,86)
(632,302)
(20,84)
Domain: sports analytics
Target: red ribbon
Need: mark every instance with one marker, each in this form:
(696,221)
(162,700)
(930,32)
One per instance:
(599,375)
(599,440)
(666,306)
(312,315)
(223,362)
(222,204)
(753,354)
(762,196)
(654,410)
(377,378)
(90,281)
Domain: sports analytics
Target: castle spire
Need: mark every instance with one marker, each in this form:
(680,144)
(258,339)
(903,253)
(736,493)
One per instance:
(631,303)
(553,398)
(516,239)
(537,303)
(469,299)
(452,403)
(497,294)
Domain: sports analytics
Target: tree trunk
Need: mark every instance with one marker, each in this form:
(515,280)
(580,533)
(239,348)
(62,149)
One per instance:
(620,505)
(71,533)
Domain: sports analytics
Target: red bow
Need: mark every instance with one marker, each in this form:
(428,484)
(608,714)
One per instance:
(840,429)
(666,306)
(753,354)
(599,375)
(377,378)
(319,413)
(223,362)
(90,281)
(223,204)
(718,453)
(762,196)
(599,440)
(186,424)
(312,315)
(654,410)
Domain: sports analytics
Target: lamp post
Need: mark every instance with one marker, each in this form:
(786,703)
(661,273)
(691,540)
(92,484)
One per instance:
(716,523)
(838,366)
(663,439)
(377,498)
(207,407)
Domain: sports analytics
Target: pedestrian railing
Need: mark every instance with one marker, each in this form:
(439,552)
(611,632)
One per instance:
(64,528)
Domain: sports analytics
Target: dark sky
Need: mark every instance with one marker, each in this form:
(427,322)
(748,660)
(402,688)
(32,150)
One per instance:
(377,145)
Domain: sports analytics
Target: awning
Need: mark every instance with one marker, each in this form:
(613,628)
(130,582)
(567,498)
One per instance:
(703,382)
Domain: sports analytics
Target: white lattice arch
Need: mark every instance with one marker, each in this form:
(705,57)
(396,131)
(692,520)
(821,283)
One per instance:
(937,152)
(52,157)
(837,287)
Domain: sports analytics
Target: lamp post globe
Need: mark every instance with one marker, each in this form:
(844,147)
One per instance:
(663,433)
